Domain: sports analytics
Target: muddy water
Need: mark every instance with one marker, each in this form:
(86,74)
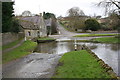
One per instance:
(107,52)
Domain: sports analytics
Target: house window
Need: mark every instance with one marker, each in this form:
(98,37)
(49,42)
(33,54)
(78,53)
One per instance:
(29,34)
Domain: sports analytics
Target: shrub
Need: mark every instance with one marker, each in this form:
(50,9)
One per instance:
(92,24)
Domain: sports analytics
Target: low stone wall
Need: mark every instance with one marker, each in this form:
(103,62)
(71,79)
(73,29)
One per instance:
(44,41)
(11,37)
(108,69)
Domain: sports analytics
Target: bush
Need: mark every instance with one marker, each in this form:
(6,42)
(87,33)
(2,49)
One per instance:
(92,24)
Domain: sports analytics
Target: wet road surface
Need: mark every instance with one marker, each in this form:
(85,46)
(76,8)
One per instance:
(35,65)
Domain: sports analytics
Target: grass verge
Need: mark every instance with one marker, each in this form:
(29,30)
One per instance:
(18,52)
(46,38)
(94,35)
(99,40)
(107,40)
(11,44)
(79,64)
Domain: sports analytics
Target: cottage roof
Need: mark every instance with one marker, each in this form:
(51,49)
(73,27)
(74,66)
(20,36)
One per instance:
(34,21)
(30,22)
(28,25)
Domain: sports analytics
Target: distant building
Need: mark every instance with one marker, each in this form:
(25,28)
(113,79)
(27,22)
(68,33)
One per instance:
(103,20)
(51,25)
(80,17)
(33,26)
(48,23)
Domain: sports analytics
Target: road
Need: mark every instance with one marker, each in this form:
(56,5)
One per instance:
(64,33)
(35,65)
(67,35)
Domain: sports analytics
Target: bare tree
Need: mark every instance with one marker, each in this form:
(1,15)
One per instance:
(26,13)
(114,20)
(75,11)
(110,5)
(75,20)
(112,8)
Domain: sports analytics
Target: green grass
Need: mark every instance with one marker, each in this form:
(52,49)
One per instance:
(94,35)
(46,38)
(107,40)
(18,52)
(11,44)
(80,64)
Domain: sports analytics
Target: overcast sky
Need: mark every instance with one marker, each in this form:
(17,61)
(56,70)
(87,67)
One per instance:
(58,7)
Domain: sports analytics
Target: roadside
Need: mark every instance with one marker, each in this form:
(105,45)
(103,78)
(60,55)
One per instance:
(11,46)
(24,49)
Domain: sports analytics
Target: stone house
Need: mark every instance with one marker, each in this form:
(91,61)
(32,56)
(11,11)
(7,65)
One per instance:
(30,29)
(33,26)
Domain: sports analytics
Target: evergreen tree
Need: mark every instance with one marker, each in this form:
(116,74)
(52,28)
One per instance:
(7,14)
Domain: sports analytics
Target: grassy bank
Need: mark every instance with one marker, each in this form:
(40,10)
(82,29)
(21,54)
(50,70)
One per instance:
(94,35)
(107,40)
(79,64)
(46,38)
(11,44)
(18,52)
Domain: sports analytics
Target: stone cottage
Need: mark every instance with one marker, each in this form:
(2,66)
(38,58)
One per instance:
(30,29)
(33,26)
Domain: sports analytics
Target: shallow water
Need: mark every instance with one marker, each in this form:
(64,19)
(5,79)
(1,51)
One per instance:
(106,52)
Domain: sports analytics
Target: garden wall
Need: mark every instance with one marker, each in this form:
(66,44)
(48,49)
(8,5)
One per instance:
(11,37)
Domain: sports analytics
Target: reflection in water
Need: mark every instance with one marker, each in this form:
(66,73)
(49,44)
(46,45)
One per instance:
(46,47)
(107,52)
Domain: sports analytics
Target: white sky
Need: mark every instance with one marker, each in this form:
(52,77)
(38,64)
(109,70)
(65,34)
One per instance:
(58,7)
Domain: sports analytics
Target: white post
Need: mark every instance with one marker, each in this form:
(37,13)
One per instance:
(25,38)
(59,32)
(75,45)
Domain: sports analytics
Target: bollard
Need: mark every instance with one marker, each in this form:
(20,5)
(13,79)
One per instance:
(75,47)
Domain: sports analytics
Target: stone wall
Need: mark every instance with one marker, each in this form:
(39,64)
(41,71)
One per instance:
(11,37)
(105,66)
